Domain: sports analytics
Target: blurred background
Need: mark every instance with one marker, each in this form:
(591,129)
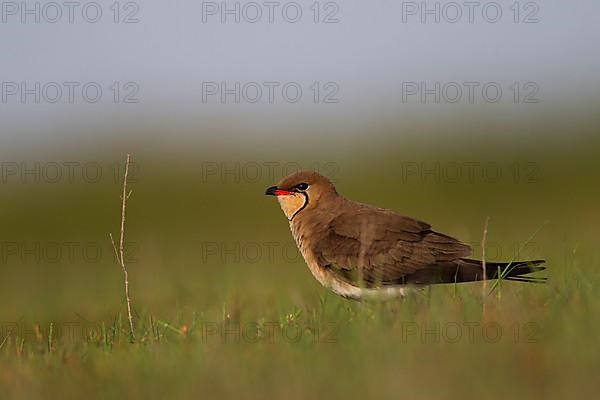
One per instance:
(445,112)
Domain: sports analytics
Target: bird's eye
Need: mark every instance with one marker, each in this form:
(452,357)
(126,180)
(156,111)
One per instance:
(302,186)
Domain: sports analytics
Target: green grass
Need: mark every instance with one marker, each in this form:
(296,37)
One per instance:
(547,347)
(326,346)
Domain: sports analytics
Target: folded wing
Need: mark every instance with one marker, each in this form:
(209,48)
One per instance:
(374,247)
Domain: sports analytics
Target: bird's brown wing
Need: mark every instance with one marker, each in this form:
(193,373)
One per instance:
(376,247)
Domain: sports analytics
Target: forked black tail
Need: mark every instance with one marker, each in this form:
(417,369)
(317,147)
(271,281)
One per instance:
(468,270)
(472,270)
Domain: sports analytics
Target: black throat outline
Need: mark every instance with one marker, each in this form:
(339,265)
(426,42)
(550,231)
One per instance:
(301,208)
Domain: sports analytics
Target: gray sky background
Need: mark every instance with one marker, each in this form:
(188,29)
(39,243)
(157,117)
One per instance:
(369,53)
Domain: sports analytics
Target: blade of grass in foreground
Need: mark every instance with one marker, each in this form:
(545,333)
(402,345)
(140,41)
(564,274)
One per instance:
(510,266)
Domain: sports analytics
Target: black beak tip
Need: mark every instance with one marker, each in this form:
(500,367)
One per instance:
(271,191)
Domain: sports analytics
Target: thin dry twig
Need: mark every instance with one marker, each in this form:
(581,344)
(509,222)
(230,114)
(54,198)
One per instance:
(50,345)
(483,265)
(120,252)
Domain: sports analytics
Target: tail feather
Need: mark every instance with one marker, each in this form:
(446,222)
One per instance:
(513,271)
(527,279)
(468,270)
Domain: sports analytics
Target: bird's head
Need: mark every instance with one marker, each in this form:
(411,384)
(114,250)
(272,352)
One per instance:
(301,191)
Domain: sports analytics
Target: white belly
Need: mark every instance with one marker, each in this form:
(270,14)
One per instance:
(358,293)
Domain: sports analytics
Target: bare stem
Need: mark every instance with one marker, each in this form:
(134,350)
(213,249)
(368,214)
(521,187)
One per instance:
(120,252)
(483,265)
(50,347)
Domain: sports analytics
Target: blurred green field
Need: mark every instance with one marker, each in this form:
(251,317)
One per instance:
(208,252)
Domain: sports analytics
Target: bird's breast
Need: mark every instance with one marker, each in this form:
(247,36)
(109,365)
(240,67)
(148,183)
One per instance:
(303,241)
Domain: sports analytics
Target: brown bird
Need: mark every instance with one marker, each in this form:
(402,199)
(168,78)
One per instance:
(360,251)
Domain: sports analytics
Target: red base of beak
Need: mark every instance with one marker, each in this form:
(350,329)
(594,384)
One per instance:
(274,191)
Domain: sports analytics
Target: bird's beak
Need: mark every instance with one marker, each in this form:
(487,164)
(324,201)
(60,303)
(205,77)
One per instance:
(275,191)
(271,191)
